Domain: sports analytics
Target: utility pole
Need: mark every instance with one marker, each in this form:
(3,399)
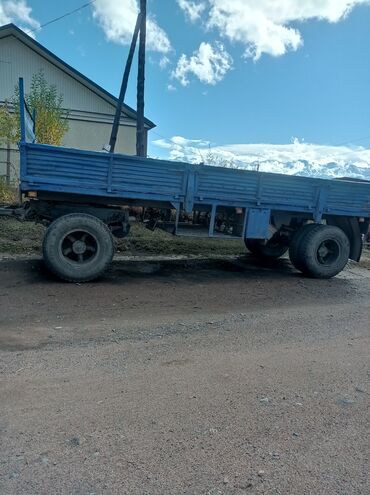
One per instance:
(140,131)
(117,117)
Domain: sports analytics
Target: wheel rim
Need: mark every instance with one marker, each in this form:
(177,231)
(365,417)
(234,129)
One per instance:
(79,247)
(328,252)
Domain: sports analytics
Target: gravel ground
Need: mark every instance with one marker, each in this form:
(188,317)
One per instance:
(172,377)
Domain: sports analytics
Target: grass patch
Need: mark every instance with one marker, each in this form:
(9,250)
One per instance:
(8,194)
(142,240)
(20,237)
(26,238)
(365,258)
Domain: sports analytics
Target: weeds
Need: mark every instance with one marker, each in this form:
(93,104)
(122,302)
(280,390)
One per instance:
(26,237)
(8,194)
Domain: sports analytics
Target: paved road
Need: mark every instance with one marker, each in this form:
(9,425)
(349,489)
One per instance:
(173,378)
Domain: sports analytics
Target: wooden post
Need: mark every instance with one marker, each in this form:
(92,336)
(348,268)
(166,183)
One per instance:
(140,130)
(121,99)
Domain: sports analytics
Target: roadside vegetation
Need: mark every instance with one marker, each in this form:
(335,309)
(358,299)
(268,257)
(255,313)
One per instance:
(142,240)
(26,238)
(46,102)
(8,193)
(20,237)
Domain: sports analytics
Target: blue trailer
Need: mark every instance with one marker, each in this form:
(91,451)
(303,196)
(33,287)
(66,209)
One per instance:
(83,197)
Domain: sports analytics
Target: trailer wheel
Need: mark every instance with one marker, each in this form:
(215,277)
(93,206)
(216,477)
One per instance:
(269,250)
(78,247)
(323,251)
(296,243)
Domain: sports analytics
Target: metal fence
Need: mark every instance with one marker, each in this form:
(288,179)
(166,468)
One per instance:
(9,164)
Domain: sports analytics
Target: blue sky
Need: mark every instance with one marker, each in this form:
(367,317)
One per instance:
(300,72)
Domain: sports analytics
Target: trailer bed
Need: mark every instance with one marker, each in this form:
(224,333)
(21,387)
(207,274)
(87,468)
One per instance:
(117,178)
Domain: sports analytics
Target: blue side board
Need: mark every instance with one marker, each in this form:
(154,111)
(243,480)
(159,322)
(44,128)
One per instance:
(121,177)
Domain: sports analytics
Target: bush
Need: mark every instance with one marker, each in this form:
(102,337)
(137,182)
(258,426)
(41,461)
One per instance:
(51,118)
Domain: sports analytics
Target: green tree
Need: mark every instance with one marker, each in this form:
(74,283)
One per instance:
(51,118)
(9,124)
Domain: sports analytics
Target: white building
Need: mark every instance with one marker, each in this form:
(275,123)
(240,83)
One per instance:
(91,108)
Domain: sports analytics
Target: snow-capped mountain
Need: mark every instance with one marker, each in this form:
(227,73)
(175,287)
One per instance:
(330,170)
(296,158)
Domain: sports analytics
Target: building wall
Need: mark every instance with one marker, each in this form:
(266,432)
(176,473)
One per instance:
(13,164)
(18,60)
(90,116)
(92,136)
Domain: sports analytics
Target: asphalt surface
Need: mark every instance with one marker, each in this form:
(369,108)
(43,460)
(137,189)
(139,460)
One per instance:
(222,377)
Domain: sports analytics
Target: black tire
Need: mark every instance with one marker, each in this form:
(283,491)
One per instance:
(268,250)
(295,244)
(78,247)
(323,251)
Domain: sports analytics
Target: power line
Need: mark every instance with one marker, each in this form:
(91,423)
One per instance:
(62,16)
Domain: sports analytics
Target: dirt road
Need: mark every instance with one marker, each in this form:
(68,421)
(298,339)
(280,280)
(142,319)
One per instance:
(184,378)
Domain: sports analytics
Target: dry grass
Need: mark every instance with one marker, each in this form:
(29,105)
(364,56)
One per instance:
(365,259)
(8,194)
(20,237)
(142,240)
(26,238)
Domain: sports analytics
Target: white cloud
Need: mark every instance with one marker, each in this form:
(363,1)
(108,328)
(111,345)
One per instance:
(260,26)
(180,148)
(193,10)
(118,18)
(209,64)
(181,141)
(19,13)
(297,158)
(265,26)
(164,61)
